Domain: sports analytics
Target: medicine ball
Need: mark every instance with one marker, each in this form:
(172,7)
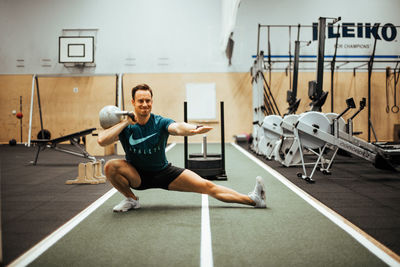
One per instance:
(107,116)
(12,142)
(19,115)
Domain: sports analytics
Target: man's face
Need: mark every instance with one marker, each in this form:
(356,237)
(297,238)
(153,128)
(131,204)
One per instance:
(142,102)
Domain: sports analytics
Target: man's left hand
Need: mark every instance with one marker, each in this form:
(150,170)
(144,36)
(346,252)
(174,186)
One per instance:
(201,129)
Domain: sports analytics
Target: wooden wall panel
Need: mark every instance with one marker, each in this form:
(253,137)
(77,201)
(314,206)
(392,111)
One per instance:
(382,121)
(65,111)
(170,93)
(11,88)
(347,85)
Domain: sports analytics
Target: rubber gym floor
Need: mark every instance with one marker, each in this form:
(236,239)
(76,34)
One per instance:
(350,218)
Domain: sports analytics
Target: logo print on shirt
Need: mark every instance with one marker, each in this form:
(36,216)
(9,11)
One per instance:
(140,140)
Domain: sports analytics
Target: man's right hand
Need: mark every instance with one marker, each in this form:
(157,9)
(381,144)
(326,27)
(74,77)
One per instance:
(131,117)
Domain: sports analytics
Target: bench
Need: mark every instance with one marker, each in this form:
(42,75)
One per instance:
(42,144)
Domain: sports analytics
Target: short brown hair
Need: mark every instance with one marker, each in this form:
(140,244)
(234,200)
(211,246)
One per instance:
(141,87)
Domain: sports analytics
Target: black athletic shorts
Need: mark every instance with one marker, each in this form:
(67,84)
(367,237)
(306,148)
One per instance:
(159,179)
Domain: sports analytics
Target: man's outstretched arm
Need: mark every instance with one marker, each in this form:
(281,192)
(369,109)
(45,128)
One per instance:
(186,129)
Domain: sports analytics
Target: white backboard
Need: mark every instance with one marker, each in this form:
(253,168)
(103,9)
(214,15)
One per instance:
(76,49)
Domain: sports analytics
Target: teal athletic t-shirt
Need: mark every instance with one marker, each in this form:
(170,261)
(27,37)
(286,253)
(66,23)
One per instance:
(144,145)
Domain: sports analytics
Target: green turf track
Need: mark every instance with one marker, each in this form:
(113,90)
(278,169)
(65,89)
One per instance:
(166,230)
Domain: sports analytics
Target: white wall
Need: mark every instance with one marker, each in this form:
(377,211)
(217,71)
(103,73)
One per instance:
(187,32)
(305,12)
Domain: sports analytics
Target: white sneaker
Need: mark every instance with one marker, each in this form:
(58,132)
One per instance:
(127,204)
(258,194)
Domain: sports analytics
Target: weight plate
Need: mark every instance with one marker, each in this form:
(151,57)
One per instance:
(209,155)
(204,163)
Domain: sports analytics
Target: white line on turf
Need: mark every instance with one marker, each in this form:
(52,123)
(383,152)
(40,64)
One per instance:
(363,238)
(43,245)
(206,256)
(33,253)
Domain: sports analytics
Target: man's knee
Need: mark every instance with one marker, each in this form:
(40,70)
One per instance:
(112,166)
(210,188)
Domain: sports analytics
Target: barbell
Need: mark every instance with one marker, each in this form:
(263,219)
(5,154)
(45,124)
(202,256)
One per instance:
(111,115)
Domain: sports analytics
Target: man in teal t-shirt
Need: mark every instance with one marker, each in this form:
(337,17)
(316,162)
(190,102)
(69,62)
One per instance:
(143,136)
(144,145)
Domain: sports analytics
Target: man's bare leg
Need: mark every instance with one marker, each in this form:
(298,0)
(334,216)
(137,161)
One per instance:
(123,176)
(188,181)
